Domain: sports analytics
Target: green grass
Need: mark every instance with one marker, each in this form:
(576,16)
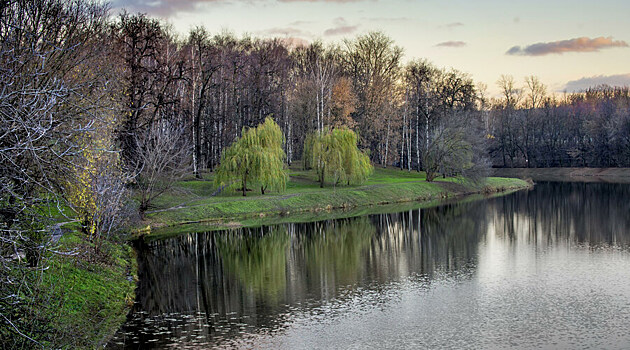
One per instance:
(82,299)
(190,202)
(96,296)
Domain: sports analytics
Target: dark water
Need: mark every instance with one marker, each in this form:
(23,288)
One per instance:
(547,268)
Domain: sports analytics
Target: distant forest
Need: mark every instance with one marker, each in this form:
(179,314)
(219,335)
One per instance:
(211,85)
(215,84)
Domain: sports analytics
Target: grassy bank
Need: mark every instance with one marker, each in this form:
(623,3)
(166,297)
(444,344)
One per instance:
(81,298)
(195,202)
(93,292)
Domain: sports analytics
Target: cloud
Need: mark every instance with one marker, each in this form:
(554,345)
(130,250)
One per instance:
(294,42)
(340,21)
(341,27)
(582,44)
(301,23)
(166,8)
(163,8)
(451,44)
(586,82)
(341,30)
(288,31)
(454,25)
(338,1)
(388,19)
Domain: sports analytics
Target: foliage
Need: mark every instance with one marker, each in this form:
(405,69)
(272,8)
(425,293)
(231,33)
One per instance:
(95,188)
(257,156)
(335,156)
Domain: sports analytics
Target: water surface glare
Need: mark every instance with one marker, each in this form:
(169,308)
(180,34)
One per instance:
(546,268)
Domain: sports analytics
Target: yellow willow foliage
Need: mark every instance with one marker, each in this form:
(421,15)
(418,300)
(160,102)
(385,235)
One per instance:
(335,157)
(256,157)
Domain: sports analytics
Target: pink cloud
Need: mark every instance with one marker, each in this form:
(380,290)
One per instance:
(163,8)
(588,82)
(341,30)
(582,44)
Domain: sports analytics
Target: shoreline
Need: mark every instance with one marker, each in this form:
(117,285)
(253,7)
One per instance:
(621,175)
(206,214)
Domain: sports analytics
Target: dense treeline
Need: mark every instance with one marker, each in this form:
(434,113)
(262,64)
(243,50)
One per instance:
(530,128)
(412,115)
(218,84)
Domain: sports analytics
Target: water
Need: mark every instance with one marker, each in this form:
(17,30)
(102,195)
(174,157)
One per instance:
(546,268)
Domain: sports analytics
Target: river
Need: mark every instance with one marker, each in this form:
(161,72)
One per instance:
(543,268)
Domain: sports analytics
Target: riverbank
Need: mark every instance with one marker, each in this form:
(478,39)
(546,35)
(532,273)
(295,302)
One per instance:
(81,298)
(616,175)
(196,201)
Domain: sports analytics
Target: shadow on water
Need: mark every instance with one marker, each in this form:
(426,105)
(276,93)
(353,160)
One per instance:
(212,289)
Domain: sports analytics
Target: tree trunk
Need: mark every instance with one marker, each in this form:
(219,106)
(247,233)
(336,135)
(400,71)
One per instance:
(402,147)
(418,137)
(321,178)
(386,143)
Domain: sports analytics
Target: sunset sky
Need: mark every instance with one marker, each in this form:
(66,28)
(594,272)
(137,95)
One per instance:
(568,44)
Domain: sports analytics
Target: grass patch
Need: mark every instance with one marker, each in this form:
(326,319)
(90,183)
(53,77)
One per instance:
(83,295)
(94,292)
(191,201)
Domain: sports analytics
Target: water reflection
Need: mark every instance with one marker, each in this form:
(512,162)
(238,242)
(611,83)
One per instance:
(286,286)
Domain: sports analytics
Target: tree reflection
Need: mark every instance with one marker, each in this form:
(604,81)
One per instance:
(572,213)
(257,258)
(330,255)
(249,279)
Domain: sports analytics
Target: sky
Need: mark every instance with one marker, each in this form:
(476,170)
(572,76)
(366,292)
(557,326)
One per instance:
(568,45)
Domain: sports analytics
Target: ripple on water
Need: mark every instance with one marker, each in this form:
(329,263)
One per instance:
(534,270)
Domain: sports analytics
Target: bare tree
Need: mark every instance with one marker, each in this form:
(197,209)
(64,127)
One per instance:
(153,70)
(163,157)
(50,87)
(373,62)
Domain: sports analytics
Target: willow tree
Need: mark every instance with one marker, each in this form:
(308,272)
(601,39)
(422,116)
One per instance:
(257,156)
(335,156)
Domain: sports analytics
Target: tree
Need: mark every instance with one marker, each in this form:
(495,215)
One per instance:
(162,158)
(334,155)
(257,156)
(54,89)
(504,117)
(423,101)
(153,70)
(373,62)
(343,103)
